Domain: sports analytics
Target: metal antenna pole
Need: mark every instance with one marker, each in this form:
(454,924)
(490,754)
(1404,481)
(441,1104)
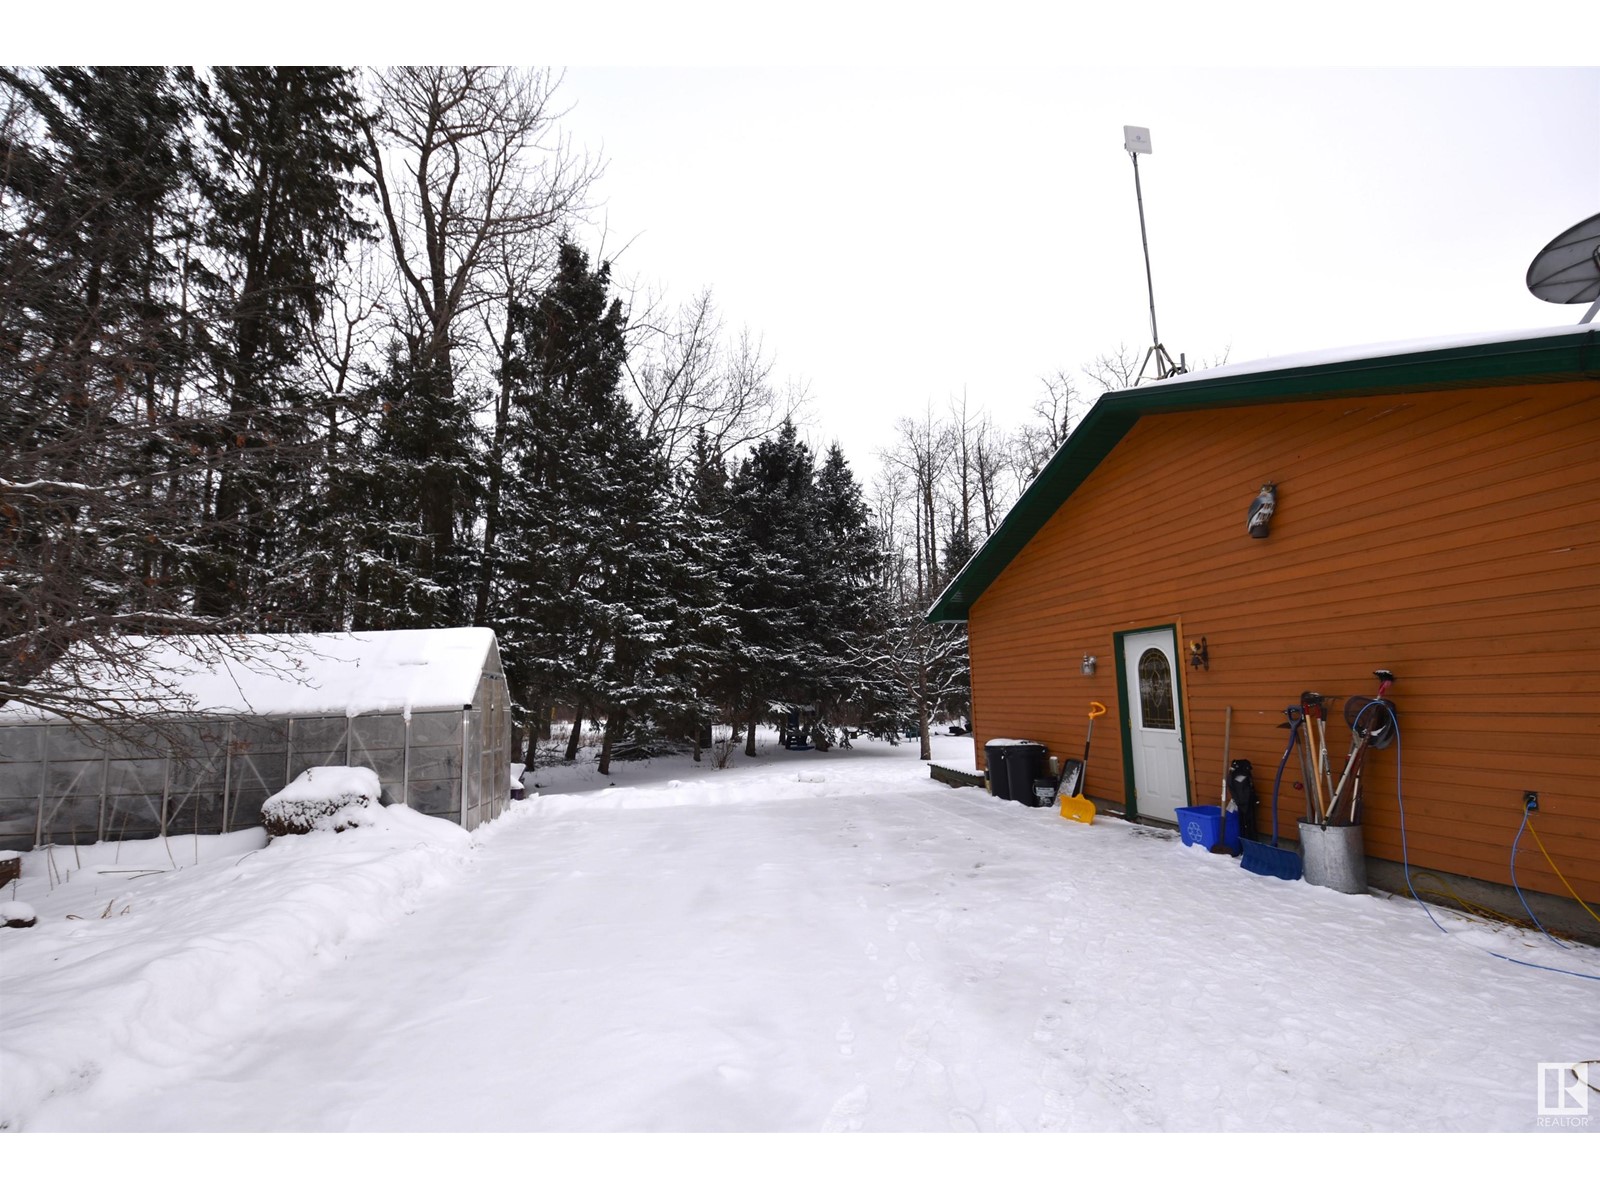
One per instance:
(1165,367)
(1144,240)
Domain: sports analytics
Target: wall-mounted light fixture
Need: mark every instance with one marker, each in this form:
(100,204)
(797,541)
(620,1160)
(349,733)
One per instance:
(1261,510)
(1199,656)
(1088,664)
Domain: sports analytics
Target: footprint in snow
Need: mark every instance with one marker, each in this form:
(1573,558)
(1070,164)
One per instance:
(846,1038)
(1004,1122)
(848,1110)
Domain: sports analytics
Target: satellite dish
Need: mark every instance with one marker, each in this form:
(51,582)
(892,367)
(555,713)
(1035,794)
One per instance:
(1567,271)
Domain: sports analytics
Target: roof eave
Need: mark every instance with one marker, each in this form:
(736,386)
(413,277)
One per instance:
(1556,358)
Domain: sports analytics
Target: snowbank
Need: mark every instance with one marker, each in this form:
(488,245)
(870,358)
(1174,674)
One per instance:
(150,957)
(332,798)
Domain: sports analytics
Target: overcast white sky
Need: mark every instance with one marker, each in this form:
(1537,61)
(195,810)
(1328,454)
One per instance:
(902,235)
(918,221)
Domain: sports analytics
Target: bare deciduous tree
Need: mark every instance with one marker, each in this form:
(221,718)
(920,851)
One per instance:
(961,436)
(975,467)
(346,335)
(465,160)
(1055,413)
(689,376)
(920,453)
(990,458)
(472,176)
(919,653)
(1114,371)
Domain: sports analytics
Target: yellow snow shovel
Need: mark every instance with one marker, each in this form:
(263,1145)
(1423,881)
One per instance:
(1074,805)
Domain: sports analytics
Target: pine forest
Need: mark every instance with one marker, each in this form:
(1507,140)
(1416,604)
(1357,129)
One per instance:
(302,349)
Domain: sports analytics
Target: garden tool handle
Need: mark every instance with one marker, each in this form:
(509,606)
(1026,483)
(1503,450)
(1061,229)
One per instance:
(1096,709)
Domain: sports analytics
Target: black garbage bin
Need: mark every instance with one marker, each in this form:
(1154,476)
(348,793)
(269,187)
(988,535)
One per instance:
(994,754)
(1025,762)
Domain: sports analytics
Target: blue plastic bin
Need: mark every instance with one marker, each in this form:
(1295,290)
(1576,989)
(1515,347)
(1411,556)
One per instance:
(1198,827)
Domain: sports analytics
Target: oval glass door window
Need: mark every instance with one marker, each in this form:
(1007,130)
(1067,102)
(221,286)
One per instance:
(1155,691)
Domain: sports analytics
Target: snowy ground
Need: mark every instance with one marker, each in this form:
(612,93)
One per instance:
(804,942)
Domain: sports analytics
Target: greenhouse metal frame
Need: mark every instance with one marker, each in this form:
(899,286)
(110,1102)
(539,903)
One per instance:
(206,773)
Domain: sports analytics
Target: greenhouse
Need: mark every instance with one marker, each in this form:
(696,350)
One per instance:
(221,723)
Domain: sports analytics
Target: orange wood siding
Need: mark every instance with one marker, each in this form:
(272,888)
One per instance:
(1453,538)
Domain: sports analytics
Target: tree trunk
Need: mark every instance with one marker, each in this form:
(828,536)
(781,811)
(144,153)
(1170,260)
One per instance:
(613,728)
(497,450)
(750,736)
(922,711)
(577,729)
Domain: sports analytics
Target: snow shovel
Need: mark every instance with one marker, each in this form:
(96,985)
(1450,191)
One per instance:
(1274,860)
(1074,805)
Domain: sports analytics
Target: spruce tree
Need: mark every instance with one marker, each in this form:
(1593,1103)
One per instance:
(567,437)
(424,446)
(99,463)
(704,645)
(846,564)
(280,149)
(771,503)
(638,571)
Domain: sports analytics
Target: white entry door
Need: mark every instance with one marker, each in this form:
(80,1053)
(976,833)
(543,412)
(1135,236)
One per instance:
(1155,723)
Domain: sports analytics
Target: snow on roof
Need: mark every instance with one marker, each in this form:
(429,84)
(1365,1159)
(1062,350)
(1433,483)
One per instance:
(314,674)
(1343,354)
(1558,353)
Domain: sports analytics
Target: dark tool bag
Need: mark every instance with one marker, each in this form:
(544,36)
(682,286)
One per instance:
(1242,792)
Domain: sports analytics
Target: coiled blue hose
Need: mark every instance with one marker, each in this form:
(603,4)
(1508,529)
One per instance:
(1405,861)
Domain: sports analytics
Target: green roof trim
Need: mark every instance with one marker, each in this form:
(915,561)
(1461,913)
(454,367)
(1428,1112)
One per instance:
(1543,358)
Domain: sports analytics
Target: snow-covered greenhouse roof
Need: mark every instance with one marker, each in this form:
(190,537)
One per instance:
(317,674)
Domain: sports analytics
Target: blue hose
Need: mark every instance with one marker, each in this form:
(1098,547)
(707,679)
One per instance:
(1405,861)
(1515,844)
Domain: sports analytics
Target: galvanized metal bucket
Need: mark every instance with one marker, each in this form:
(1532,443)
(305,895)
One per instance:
(1335,857)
